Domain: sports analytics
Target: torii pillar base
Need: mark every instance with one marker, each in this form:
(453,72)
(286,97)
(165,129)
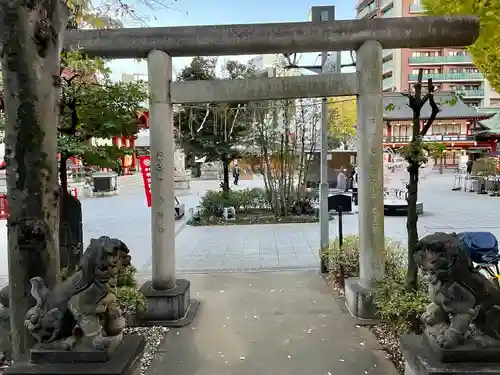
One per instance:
(168,308)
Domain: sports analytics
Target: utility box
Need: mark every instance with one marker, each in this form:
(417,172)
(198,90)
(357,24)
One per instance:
(105,182)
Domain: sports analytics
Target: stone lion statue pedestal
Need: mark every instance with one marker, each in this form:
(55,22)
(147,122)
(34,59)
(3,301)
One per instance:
(462,322)
(79,324)
(422,357)
(125,359)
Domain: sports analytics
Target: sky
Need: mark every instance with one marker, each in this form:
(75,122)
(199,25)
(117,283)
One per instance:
(190,12)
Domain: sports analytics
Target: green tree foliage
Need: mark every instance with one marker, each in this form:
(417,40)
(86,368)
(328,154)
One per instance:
(436,151)
(212,131)
(342,120)
(486,50)
(91,109)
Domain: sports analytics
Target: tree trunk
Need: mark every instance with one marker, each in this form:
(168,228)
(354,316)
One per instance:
(302,169)
(412,198)
(30,33)
(225,170)
(411,227)
(441,165)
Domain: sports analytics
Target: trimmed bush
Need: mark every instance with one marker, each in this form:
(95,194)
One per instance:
(348,256)
(130,299)
(398,308)
(213,202)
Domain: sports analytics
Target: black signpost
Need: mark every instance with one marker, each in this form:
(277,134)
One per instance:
(340,203)
(341,240)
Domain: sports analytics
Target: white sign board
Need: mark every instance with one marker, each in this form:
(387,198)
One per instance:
(331,63)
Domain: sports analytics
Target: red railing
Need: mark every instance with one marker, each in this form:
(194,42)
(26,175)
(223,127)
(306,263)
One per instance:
(4,207)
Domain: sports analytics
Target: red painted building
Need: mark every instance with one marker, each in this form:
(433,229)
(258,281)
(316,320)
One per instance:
(130,161)
(456,126)
(489,131)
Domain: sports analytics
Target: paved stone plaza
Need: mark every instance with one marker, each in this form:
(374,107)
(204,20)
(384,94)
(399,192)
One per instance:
(295,246)
(264,247)
(281,246)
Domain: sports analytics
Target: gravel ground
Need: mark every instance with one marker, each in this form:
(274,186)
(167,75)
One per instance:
(153,335)
(390,342)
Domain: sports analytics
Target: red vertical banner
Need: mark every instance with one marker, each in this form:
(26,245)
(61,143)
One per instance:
(145,164)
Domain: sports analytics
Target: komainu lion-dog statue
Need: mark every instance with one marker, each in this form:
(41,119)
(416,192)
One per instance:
(83,308)
(464,303)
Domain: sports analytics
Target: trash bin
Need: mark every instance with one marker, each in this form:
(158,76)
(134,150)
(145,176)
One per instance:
(105,182)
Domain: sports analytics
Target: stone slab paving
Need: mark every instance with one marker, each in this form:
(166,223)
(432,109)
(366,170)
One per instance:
(272,323)
(295,246)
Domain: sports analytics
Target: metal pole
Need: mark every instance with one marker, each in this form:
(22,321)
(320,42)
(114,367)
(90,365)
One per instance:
(341,243)
(323,192)
(324,14)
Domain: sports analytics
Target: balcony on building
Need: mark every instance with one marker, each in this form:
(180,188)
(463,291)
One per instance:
(388,13)
(388,66)
(416,8)
(443,77)
(368,9)
(388,83)
(440,60)
(384,4)
(470,93)
(444,138)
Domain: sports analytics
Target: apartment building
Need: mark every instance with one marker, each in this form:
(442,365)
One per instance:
(450,68)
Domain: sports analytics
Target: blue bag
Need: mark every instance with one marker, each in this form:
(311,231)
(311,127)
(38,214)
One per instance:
(482,247)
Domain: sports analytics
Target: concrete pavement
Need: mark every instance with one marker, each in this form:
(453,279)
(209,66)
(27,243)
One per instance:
(269,323)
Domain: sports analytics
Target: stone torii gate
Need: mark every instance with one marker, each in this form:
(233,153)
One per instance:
(168,298)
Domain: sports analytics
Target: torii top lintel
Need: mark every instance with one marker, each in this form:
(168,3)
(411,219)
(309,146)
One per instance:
(218,40)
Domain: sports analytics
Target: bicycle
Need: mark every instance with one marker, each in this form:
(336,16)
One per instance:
(482,250)
(491,268)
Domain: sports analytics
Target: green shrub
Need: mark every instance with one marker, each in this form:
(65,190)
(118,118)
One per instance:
(348,256)
(130,299)
(127,277)
(398,308)
(213,202)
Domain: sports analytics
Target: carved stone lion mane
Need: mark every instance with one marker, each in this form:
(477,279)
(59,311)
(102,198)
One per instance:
(83,305)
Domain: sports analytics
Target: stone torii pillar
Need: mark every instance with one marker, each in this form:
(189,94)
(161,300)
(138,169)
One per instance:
(370,180)
(168,298)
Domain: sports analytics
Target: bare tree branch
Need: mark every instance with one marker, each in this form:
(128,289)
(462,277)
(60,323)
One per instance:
(434,108)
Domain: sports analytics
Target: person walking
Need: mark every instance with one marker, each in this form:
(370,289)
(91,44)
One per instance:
(355,185)
(236,174)
(469,165)
(342,180)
